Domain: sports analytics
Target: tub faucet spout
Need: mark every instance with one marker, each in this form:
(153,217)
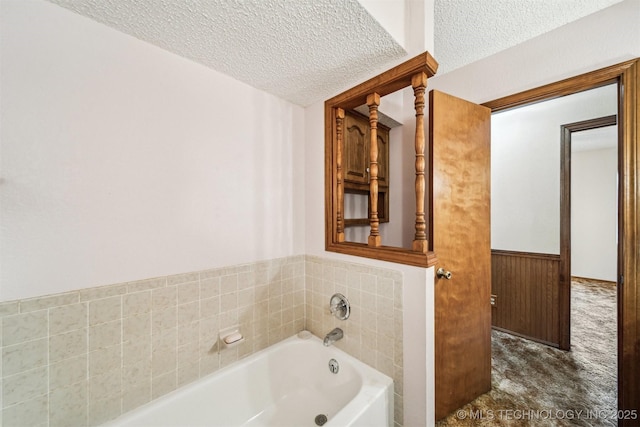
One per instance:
(333,336)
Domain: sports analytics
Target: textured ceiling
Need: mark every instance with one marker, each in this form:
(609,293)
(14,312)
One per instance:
(469,30)
(302,50)
(308,50)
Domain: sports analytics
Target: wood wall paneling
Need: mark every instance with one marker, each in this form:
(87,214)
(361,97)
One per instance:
(528,291)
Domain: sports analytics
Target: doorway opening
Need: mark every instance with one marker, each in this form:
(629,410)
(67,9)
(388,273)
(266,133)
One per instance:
(625,79)
(532,251)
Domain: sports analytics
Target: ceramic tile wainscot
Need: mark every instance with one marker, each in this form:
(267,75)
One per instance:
(373,332)
(85,357)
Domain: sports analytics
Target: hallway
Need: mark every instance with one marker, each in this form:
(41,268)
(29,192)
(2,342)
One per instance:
(534,384)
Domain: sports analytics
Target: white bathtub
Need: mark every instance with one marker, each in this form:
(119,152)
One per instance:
(287,384)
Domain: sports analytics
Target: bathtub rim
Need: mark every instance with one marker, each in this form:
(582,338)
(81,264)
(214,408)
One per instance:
(375,385)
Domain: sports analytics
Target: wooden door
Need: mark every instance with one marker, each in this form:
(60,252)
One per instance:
(460,235)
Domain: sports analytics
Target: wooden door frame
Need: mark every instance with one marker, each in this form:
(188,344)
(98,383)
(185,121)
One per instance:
(564,312)
(627,76)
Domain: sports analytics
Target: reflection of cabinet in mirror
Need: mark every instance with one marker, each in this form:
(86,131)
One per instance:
(357,137)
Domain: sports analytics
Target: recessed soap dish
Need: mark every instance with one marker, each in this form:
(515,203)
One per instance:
(230,337)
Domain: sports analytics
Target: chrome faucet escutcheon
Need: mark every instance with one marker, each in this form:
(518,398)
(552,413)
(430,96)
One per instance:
(333,336)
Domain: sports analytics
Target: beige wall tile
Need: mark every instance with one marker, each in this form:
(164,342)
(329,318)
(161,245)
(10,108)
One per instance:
(385,287)
(397,295)
(143,285)
(188,354)
(164,298)
(135,397)
(261,293)
(246,297)
(163,384)
(67,318)
(228,302)
(188,332)
(9,307)
(136,303)
(101,411)
(275,288)
(24,327)
(137,375)
(105,360)
(188,373)
(213,273)
(209,330)
(34,412)
(246,280)
(228,284)
(68,406)
(228,356)
(164,354)
(70,344)
(188,313)
(105,335)
(188,292)
(41,303)
(136,327)
(183,278)
(25,386)
(137,351)
(24,356)
(68,372)
(209,363)
(397,409)
(228,319)
(275,303)
(106,385)
(105,310)
(209,307)
(210,287)
(398,379)
(164,319)
(103,292)
(163,333)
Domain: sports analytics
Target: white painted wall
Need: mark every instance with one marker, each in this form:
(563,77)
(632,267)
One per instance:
(121,161)
(594,210)
(525,168)
(390,14)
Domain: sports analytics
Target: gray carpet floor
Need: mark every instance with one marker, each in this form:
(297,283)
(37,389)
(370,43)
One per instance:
(534,384)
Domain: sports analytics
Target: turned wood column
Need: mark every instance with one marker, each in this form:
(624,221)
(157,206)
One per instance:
(419,84)
(339,179)
(373,101)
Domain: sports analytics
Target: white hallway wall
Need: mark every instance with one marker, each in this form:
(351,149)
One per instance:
(525,168)
(121,161)
(594,210)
